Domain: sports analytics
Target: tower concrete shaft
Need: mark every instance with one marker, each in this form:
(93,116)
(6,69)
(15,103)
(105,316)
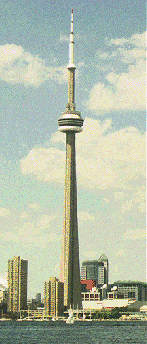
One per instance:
(72,287)
(70,122)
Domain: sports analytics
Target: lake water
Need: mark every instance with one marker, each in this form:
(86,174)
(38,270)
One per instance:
(95,332)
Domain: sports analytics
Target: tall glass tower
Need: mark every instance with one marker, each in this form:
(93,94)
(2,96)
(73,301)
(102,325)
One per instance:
(70,123)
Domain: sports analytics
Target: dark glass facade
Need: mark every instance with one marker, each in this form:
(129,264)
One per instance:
(96,270)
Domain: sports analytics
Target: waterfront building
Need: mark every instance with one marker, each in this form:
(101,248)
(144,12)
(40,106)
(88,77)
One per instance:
(115,294)
(97,305)
(91,296)
(53,297)
(134,290)
(70,123)
(97,270)
(37,313)
(17,284)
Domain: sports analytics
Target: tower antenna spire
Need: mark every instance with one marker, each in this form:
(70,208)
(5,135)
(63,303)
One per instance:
(71,44)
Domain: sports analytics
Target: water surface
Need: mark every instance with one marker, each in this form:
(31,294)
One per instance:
(95,332)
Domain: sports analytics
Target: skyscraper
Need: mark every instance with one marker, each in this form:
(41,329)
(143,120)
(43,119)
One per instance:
(103,261)
(53,297)
(17,284)
(97,270)
(70,123)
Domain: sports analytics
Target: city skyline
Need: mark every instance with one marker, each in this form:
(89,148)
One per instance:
(110,94)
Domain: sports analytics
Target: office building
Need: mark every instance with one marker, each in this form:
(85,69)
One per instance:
(70,123)
(53,297)
(96,270)
(17,284)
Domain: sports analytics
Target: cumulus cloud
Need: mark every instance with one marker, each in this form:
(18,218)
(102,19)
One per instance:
(45,163)
(20,66)
(109,158)
(138,198)
(44,220)
(105,158)
(64,38)
(135,234)
(85,216)
(35,206)
(121,90)
(4,212)
(30,237)
(31,228)
(24,215)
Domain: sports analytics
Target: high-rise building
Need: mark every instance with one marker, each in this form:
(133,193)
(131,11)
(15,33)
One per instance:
(96,270)
(70,123)
(53,297)
(17,284)
(103,260)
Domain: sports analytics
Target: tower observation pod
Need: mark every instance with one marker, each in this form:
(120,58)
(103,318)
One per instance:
(70,123)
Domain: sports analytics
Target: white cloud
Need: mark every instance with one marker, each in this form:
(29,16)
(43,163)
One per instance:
(138,198)
(32,226)
(45,163)
(64,38)
(35,206)
(137,40)
(120,253)
(19,66)
(4,212)
(30,237)
(135,234)
(105,158)
(33,229)
(126,206)
(44,221)
(3,280)
(90,254)
(23,215)
(119,195)
(85,216)
(122,90)
(118,41)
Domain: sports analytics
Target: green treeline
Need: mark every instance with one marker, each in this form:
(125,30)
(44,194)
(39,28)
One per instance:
(114,313)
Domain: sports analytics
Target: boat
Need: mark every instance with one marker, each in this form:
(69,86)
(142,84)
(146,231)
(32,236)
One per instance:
(53,319)
(70,319)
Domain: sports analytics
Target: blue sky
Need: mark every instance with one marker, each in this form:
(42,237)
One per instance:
(110,93)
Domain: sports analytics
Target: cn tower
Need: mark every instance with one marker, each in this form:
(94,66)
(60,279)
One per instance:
(70,123)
